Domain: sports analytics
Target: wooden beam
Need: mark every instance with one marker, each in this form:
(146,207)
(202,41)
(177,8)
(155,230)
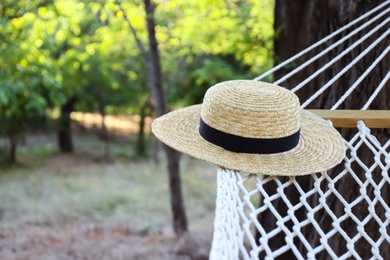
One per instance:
(349,118)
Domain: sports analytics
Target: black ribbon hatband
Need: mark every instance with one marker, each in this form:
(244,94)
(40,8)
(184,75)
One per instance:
(241,144)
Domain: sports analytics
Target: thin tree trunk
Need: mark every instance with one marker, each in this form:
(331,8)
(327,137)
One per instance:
(177,203)
(300,24)
(156,151)
(64,131)
(141,142)
(104,135)
(13,141)
(83,128)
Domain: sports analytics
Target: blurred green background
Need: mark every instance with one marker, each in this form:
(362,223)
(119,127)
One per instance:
(63,56)
(80,172)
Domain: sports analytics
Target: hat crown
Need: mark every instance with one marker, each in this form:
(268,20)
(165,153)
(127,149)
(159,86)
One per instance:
(251,109)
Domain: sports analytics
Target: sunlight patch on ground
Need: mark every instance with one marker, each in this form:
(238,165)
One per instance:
(117,124)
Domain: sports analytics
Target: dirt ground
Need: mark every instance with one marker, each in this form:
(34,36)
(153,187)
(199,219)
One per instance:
(57,209)
(99,241)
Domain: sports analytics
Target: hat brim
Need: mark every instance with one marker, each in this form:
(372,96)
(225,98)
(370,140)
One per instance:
(320,146)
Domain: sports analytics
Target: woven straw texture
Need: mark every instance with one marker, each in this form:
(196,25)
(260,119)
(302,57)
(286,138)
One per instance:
(253,109)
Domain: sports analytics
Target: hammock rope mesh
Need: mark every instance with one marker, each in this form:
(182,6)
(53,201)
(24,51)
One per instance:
(238,194)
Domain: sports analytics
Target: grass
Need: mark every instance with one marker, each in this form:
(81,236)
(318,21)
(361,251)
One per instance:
(54,189)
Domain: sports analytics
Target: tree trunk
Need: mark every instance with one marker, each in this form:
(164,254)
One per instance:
(13,140)
(104,134)
(300,24)
(177,203)
(64,134)
(83,128)
(141,141)
(156,150)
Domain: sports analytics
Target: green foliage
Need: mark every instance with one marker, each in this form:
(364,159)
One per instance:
(205,42)
(54,50)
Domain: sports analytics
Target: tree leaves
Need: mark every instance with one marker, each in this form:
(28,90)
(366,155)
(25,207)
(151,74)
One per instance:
(54,50)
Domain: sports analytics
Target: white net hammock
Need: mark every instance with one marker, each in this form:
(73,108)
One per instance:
(342,214)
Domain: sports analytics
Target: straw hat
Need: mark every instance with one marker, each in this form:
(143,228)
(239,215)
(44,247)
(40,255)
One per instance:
(254,127)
